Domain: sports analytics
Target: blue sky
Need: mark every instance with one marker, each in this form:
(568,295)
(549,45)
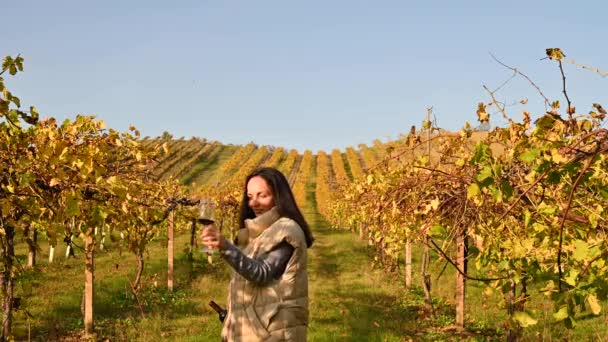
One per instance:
(306,75)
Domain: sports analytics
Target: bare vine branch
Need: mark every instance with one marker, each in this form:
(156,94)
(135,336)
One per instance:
(596,70)
(501,109)
(448,259)
(569,109)
(547,104)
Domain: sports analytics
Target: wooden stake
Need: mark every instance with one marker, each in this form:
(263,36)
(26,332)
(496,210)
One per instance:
(408,264)
(89,327)
(51,254)
(170,253)
(460,279)
(31,256)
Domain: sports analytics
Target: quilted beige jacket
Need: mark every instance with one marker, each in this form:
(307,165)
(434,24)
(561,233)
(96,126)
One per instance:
(277,311)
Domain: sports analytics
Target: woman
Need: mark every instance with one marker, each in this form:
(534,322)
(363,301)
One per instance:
(268,294)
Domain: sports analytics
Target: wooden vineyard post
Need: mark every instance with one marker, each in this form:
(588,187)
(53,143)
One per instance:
(69,249)
(31,256)
(7,282)
(103,238)
(426,277)
(192,240)
(51,253)
(408,264)
(460,278)
(170,253)
(89,239)
(362,231)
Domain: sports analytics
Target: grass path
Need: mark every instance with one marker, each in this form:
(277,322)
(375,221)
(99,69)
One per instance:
(350,301)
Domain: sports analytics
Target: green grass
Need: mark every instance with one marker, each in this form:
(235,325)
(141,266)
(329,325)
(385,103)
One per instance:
(486,314)
(52,295)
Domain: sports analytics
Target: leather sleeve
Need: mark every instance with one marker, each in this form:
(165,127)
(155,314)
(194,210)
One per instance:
(264,268)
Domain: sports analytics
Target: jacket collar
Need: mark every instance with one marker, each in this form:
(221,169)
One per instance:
(257,225)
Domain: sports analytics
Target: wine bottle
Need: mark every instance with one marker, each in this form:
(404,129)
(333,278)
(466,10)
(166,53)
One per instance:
(221,312)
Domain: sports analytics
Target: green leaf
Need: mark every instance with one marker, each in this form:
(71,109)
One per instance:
(496,194)
(593,220)
(529,156)
(571,278)
(527,218)
(438,231)
(99,215)
(594,304)
(19,63)
(13,115)
(562,314)
(539,227)
(518,251)
(581,250)
(8,60)
(507,189)
(4,105)
(73,205)
(524,319)
(484,173)
(480,154)
(26,179)
(504,265)
(16,101)
(545,209)
(473,190)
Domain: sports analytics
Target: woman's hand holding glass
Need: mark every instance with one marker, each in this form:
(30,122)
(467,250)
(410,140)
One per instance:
(212,238)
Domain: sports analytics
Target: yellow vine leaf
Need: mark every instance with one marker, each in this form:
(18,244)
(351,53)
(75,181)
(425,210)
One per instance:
(524,319)
(482,115)
(555,54)
(594,304)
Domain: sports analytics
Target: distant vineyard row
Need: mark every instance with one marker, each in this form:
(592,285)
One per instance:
(198,162)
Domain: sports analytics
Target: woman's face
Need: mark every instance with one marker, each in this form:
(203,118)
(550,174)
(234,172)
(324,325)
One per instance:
(259,195)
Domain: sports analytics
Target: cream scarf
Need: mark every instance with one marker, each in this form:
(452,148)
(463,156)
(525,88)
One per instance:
(255,227)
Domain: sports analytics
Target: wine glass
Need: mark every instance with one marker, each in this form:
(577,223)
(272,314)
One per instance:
(206,217)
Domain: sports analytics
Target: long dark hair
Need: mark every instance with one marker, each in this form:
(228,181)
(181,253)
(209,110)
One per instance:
(283,199)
